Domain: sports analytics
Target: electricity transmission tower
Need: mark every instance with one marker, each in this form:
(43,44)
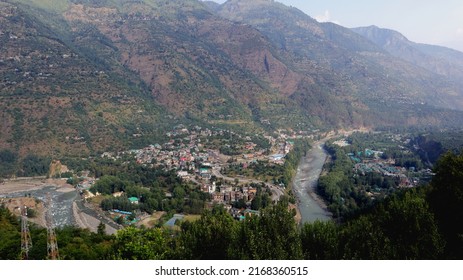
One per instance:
(52,244)
(26,241)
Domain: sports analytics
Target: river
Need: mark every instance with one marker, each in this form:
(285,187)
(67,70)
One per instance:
(67,206)
(305,182)
(61,202)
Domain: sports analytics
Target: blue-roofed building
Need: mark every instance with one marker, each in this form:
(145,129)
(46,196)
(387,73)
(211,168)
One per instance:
(173,220)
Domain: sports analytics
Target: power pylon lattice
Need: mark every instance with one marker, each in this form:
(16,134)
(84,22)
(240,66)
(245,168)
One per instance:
(52,244)
(26,240)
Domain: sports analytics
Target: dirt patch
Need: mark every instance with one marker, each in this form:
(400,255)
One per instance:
(15,204)
(20,185)
(30,184)
(150,221)
(192,218)
(298,217)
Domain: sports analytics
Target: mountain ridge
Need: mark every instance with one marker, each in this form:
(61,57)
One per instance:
(96,70)
(440,60)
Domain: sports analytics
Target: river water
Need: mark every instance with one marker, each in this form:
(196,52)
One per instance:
(61,203)
(305,183)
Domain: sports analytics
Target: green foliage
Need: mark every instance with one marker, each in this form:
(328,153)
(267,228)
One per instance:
(363,239)
(34,165)
(261,170)
(401,228)
(81,244)
(120,203)
(140,244)
(446,199)
(149,185)
(31,213)
(262,199)
(320,240)
(434,144)
(10,235)
(209,238)
(271,235)
(408,221)
(337,187)
(101,229)
(109,185)
(8,161)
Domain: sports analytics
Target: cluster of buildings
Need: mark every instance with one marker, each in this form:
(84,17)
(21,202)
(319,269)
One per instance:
(229,194)
(193,153)
(188,151)
(182,152)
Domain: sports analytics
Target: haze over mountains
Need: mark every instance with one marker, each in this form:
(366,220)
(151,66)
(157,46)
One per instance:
(84,76)
(440,60)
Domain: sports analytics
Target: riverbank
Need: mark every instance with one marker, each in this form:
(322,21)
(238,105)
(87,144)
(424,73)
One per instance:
(27,184)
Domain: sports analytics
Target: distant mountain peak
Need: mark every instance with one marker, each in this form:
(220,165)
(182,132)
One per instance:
(381,36)
(440,60)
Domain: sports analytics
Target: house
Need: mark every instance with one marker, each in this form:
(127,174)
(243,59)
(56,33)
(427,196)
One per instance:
(250,213)
(209,188)
(182,174)
(133,200)
(238,196)
(277,157)
(218,197)
(252,193)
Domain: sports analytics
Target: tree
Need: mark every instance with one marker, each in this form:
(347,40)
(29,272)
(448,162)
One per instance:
(10,235)
(410,226)
(101,229)
(363,239)
(140,244)
(320,240)
(256,203)
(271,235)
(179,192)
(33,165)
(446,200)
(208,238)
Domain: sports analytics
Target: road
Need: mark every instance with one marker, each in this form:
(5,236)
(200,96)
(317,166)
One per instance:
(93,217)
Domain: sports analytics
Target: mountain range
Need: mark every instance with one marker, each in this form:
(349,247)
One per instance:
(84,76)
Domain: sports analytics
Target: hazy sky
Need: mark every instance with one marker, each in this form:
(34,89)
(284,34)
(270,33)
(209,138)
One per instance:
(438,22)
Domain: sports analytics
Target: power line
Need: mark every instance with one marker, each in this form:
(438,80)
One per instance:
(26,240)
(52,244)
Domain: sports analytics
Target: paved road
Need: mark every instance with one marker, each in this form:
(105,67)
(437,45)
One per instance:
(83,207)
